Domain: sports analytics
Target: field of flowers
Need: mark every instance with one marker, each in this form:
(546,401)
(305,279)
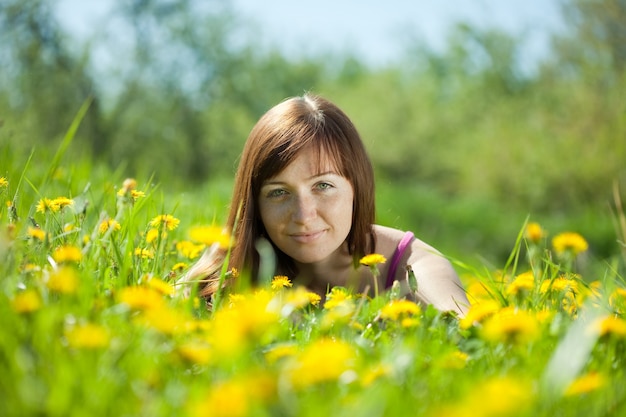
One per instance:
(93,323)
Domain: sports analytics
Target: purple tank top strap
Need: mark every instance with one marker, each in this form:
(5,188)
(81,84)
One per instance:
(397,255)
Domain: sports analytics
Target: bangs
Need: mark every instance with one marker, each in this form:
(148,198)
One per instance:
(328,151)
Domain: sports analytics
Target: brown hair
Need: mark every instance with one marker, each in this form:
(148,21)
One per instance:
(273,143)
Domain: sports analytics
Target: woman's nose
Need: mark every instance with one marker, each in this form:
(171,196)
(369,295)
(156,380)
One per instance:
(304,209)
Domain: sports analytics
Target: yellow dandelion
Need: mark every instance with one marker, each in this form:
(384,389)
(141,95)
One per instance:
(280,281)
(107,224)
(324,360)
(399,309)
(522,282)
(144,253)
(140,297)
(64,281)
(36,233)
(228,399)
(611,326)
(534,232)
(189,249)
(3,182)
(166,320)
(478,312)
(234,298)
(569,242)
(62,202)
(209,235)
(586,383)
(300,297)
(67,253)
(179,267)
(196,352)
(152,235)
(165,222)
(511,325)
(137,194)
(279,352)
(372,259)
(26,301)
(87,336)
(46,205)
(559,284)
(508,395)
(337,297)
(161,286)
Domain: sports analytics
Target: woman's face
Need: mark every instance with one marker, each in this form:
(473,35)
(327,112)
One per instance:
(307,208)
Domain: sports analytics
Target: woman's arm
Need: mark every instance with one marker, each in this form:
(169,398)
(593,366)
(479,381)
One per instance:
(437,281)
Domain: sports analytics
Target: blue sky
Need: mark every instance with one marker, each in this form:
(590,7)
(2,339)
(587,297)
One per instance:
(373,30)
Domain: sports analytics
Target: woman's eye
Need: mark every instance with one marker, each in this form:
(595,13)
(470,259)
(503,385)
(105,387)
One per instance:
(276,193)
(324,186)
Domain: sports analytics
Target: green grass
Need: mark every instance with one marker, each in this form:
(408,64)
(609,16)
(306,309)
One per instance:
(94,325)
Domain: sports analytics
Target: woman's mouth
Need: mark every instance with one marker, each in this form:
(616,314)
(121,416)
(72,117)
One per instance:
(307,237)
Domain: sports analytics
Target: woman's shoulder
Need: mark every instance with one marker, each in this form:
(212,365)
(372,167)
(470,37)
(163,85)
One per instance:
(388,238)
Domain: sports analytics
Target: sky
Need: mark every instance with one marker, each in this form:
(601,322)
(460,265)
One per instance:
(373,30)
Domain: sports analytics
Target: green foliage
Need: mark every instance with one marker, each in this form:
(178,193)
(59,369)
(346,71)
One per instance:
(94,322)
(469,140)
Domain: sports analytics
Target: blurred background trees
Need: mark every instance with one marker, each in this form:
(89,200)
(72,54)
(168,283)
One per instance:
(465,142)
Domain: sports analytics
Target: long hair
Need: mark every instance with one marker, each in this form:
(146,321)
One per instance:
(273,144)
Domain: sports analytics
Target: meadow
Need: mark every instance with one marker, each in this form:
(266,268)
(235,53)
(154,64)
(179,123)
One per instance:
(95,324)
(516,174)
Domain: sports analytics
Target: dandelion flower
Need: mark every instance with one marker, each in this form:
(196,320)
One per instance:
(279,352)
(300,297)
(196,352)
(336,297)
(511,325)
(165,221)
(586,383)
(611,325)
(161,286)
(280,281)
(107,224)
(179,267)
(373,259)
(46,205)
(3,182)
(189,249)
(63,281)
(26,301)
(88,336)
(522,282)
(152,235)
(36,232)
(210,235)
(324,360)
(144,253)
(140,297)
(534,232)
(62,202)
(399,309)
(478,312)
(569,242)
(67,253)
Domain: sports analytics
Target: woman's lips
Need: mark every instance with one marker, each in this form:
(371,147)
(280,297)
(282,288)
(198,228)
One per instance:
(307,237)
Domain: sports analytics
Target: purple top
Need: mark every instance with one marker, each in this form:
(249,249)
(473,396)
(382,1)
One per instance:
(395,259)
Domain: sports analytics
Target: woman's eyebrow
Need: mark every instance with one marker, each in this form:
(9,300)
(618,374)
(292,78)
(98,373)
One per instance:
(321,174)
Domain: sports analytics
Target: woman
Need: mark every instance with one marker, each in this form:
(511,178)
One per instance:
(306,185)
